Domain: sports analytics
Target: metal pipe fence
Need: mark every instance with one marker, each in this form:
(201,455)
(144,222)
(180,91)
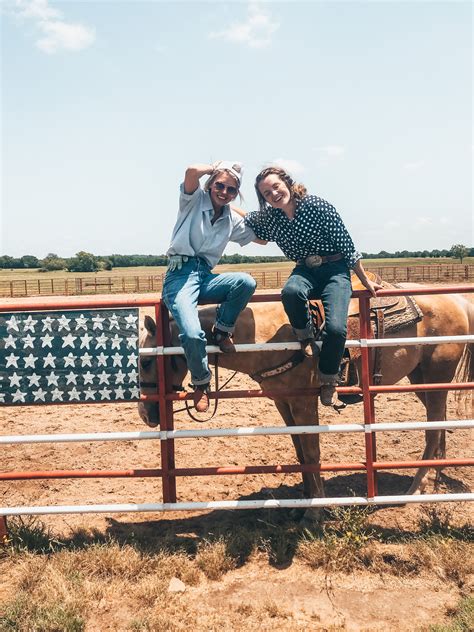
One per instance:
(166,435)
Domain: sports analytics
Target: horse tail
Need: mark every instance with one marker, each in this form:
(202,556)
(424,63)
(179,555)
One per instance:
(465,370)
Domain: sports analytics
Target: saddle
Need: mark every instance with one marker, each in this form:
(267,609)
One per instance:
(388,315)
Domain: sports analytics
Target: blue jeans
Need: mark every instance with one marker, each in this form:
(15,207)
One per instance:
(183,289)
(331,282)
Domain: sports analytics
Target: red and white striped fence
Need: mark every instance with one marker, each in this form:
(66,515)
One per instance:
(167,435)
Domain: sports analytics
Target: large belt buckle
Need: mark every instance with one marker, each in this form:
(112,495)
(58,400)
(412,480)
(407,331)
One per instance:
(313,261)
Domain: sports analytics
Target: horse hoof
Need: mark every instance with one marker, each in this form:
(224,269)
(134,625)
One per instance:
(312,520)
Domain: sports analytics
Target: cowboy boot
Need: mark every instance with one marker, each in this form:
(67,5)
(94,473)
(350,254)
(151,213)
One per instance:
(201,398)
(223,340)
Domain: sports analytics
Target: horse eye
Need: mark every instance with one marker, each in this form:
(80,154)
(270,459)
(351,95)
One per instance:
(146,363)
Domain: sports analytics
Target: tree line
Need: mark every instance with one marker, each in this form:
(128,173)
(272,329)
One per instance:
(88,262)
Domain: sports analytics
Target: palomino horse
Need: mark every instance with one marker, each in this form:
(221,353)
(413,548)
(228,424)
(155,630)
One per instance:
(448,315)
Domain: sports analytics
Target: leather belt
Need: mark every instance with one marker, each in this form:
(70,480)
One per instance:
(314,261)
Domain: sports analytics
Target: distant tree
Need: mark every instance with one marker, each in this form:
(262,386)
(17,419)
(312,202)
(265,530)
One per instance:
(29,261)
(83,262)
(459,251)
(105,263)
(7,262)
(52,262)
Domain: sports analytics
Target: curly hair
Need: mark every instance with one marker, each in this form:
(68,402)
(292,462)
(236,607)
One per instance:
(297,191)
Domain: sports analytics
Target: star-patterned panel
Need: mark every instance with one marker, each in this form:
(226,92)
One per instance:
(71,356)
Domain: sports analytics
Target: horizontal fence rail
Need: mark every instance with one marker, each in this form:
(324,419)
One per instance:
(166,435)
(285,503)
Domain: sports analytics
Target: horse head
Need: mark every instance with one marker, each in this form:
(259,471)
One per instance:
(149,411)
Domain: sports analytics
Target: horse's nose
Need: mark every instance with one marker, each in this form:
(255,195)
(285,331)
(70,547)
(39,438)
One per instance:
(150,414)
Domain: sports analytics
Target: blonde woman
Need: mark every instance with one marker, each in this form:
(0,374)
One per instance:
(204,226)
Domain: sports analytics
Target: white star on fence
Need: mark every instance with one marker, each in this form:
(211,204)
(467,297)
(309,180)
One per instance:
(30,361)
(46,340)
(33,379)
(29,324)
(12,323)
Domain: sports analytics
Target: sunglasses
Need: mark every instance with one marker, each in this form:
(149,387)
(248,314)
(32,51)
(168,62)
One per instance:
(220,186)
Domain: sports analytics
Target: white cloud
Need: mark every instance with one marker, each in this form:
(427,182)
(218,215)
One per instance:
(36,9)
(331,151)
(57,34)
(292,166)
(414,166)
(64,35)
(256,32)
(423,222)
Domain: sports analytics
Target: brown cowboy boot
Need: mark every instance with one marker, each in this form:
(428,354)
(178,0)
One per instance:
(223,340)
(201,398)
(327,389)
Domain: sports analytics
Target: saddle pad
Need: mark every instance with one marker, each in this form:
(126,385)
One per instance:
(399,312)
(389,304)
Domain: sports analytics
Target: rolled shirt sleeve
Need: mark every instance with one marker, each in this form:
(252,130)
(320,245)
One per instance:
(241,232)
(261,224)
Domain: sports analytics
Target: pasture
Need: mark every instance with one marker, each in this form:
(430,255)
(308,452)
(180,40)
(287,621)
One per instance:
(17,283)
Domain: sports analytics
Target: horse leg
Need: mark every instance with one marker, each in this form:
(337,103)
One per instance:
(285,412)
(304,412)
(435,440)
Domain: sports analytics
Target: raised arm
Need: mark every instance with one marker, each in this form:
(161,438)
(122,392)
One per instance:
(193,174)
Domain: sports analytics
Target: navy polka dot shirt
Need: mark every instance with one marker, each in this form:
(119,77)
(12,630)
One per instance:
(316,229)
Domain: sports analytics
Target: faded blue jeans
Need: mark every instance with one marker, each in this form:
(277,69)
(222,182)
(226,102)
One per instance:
(331,282)
(183,289)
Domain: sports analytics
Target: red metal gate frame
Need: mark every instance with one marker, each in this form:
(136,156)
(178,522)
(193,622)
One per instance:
(165,397)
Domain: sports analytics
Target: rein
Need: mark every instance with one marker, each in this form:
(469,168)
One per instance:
(187,407)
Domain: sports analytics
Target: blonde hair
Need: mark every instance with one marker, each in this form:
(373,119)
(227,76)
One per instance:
(297,190)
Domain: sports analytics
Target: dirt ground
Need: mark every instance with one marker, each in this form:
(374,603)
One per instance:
(354,602)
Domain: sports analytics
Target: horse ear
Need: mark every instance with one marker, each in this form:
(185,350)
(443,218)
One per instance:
(150,325)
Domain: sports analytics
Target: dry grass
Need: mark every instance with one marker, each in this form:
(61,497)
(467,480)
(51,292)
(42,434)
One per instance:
(213,558)
(66,585)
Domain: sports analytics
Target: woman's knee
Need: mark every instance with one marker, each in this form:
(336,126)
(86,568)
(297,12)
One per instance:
(336,330)
(292,290)
(247,282)
(192,335)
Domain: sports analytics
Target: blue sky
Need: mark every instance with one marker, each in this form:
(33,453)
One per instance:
(104,104)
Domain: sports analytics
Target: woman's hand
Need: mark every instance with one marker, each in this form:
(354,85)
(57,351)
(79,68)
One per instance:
(371,286)
(364,279)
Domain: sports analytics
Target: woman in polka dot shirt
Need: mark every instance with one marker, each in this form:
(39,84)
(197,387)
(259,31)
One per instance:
(310,232)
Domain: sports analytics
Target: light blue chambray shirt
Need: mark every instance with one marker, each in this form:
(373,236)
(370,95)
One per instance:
(194,235)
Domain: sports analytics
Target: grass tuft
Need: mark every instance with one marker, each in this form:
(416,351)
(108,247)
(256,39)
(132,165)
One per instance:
(342,544)
(29,534)
(462,618)
(24,615)
(213,558)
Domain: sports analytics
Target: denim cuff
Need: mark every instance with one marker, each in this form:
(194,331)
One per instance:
(204,381)
(328,378)
(222,327)
(304,334)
